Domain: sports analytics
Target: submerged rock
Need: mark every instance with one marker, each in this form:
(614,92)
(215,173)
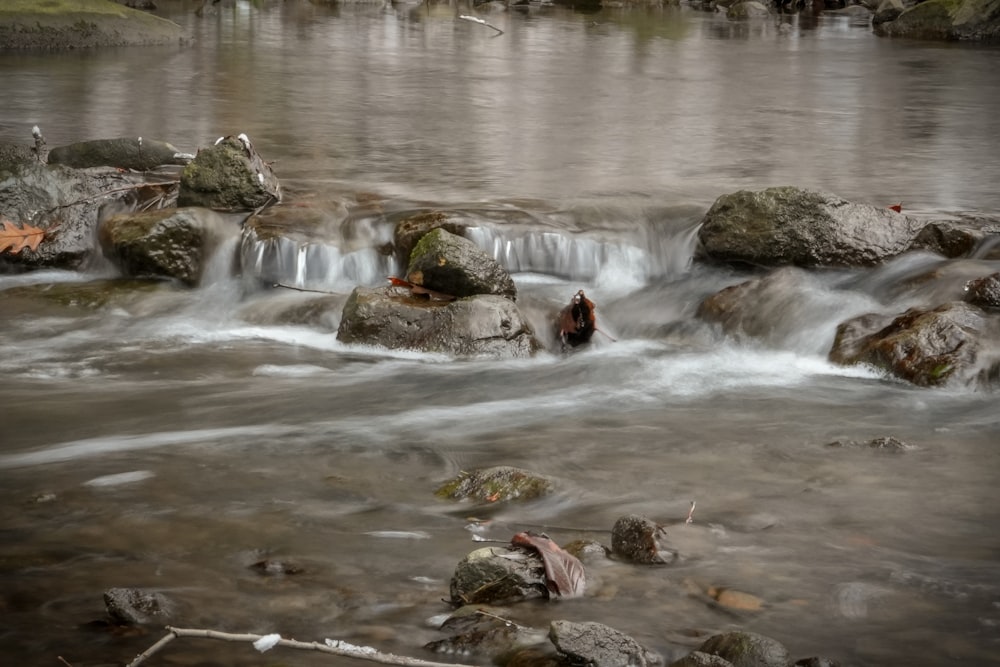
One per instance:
(481,326)
(450,264)
(926,347)
(496,484)
(598,644)
(888,443)
(133,606)
(747,649)
(477,630)
(984,292)
(171,243)
(699,659)
(641,540)
(229,176)
(124,152)
(958,238)
(788,225)
(977,20)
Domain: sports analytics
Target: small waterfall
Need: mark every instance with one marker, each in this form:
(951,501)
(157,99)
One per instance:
(313,264)
(575,256)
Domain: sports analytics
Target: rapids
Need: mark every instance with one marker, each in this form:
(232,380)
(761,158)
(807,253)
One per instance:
(168,439)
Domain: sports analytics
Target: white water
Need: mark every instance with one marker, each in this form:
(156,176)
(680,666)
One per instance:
(169,438)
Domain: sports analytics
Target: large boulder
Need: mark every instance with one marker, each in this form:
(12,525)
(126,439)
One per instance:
(788,225)
(483,325)
(946,19)
(124,152)
(450,264)
(229,176)
(944,345)
(67,204)
(171,243)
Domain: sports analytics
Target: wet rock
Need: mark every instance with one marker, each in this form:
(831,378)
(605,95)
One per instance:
(496,484)
(90,295)
(498,575)
(760,308)
(171,243)
(478,631)
(747,9)
(699,659)
(410,230)
(67,203)
(977,20)
(888,443)
(13,156)
(984,292)
(450,264)
(926,347)
(747,649)
(887,10)
(136,153)
(229,176)
(588,551)
(133,606)
(598,644)
(788,225)
(534,657)
(276,568)
(641,540)
(816,661)
(481,326)
(957,238)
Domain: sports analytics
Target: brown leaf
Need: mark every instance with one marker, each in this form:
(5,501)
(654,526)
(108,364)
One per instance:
(564,573)
(16,239)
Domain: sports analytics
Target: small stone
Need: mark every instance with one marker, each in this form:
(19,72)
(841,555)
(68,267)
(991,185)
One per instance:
(640,540)
(747,649)
(598,644)
(132,606)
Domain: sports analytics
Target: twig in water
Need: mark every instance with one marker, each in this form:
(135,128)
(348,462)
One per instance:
(334,647)
(301,289)
(109,192)
(690,517)
(480,22)
(63,661)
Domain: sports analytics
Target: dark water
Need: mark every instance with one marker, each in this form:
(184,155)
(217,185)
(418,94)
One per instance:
(168,439)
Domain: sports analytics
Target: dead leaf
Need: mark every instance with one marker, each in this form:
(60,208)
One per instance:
(576,321)
(16,238)
(564,573)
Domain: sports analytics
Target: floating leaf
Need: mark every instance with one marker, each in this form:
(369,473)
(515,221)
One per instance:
(16,238)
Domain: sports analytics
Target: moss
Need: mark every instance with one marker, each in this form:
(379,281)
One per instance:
(80,23)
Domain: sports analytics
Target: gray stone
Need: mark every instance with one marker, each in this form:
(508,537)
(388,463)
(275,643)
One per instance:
(641,540)
(450,264)
(747,649)
(484,325)
(600,645)
(787,225)
(229,176)
(124,153)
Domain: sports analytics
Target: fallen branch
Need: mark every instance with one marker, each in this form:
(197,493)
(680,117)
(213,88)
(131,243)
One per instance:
(334,647)
(480,22)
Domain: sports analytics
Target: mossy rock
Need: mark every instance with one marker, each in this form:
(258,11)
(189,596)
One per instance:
(497,484)
(747,649)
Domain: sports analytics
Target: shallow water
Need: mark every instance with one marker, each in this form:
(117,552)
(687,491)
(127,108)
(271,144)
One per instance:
(169,439)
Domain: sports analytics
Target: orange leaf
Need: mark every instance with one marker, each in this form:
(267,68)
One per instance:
(16,238)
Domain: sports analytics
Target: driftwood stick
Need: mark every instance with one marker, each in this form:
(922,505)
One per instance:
(480,22)
(334,647)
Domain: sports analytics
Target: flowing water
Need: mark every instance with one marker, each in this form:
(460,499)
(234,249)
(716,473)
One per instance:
(168,439)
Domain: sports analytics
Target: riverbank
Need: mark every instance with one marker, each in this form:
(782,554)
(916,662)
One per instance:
(63,24)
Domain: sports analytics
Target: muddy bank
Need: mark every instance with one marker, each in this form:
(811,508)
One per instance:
(71,24)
